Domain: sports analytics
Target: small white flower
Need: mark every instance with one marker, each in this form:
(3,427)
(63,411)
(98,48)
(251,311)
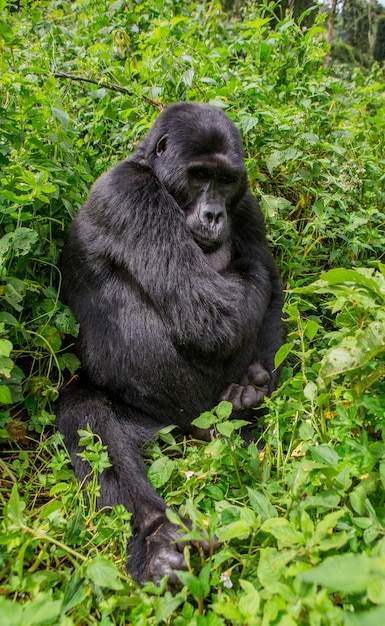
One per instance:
(226,580)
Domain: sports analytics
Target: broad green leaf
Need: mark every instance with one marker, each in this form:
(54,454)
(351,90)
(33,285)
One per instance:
(261,504)
(283,531)
(160,471)
(192,583)
(272,564)
(5,347)
(61,115)
(235,530)
(348,573)
(41,612)
(228,428)
(5,395)
(355,351)
(75,594)
(224,410)
(373,617)
(205,420)
(103,573)
(340,276)
(282,353)
(249,601)
(19,241)
(324,454)
(6,31)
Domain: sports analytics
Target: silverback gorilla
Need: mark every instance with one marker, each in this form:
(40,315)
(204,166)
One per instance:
(179,302)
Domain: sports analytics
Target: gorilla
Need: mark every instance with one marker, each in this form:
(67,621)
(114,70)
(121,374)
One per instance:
(179,301)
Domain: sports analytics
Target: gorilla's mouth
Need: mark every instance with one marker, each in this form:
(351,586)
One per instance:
(207,244)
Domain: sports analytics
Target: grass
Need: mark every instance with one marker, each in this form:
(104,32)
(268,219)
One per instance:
(301,523)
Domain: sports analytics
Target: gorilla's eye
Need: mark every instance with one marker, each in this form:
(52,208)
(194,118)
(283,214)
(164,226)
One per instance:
(227,179)
(200,173)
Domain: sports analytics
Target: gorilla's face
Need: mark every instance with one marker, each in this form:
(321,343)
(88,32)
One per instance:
(197,153)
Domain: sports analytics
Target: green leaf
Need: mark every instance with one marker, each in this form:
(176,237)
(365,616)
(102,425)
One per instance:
(192,583)
(41,612)
(340,276)
(249,601)
(104,573)
(271,564)
(160,471)
(5,395)
(6,31)
(283,531)
(61,115)
(14,509)
(282,353)
(5,347)
(348,573)
(18,241)
(261,505)
(205,420)
(373,617)
(75,594)
(355,351)
(224,410)
(228,428)
(235,530)
(324,453)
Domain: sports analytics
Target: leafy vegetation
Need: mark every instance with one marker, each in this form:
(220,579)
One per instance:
(301,516)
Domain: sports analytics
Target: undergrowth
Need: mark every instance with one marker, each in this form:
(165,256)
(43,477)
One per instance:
(300,516)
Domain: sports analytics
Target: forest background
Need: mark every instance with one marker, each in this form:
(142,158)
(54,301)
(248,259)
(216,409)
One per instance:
(301,524)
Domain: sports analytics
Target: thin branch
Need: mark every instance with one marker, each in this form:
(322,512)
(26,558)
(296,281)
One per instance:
(111,86)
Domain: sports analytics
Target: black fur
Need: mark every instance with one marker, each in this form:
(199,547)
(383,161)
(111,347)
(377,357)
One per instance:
(179,301)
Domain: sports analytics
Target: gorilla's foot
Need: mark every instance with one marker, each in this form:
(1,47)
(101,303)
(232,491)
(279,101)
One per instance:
(157,551)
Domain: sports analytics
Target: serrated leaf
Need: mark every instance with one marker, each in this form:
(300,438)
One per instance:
(205,420)
(103,573)
(283,531)
(347,573)
(324,454)
(224,410)
(339,276)
(249,601)
(19,241)
(239,530)
(160,471)
(61,115)
(355,351)
(6,31)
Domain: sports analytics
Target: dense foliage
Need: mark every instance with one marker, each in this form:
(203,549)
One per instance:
(379,43)
(301,523)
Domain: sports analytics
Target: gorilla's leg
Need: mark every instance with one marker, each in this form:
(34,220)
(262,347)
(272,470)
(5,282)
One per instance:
(153,552)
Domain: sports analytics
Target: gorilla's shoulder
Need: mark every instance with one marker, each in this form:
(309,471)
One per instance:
(126,176)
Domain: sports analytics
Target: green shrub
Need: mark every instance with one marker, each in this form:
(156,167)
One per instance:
(300,521)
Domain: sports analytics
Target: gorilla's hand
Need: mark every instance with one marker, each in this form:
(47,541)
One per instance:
(251,390)
(158,551)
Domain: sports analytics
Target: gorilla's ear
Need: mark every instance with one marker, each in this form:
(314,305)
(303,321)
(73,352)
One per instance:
(161,145)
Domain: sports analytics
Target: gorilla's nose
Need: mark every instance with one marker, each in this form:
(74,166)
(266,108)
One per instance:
(212,216)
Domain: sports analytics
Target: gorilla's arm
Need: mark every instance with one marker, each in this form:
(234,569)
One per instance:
(252,254)
(130,223)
